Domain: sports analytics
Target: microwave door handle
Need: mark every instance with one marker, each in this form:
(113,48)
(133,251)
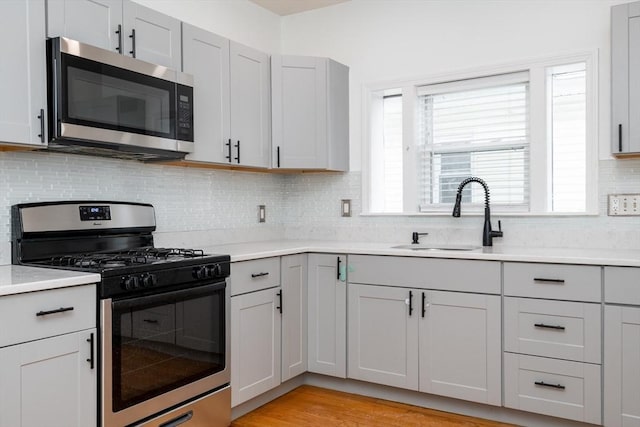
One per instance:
(133,43)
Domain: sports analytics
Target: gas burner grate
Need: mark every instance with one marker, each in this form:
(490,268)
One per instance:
(97,260)
(166,253)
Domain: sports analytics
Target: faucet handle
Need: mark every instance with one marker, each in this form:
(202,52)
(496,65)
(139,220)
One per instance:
(499,232)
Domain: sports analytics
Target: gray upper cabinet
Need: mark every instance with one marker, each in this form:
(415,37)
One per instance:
(71,18)
(118,25)
(625,78)
(231,95)
(310,109)
(22,87)
(206,57)
(249,140)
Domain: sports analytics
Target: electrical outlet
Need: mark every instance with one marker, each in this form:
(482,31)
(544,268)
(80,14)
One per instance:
(624,205)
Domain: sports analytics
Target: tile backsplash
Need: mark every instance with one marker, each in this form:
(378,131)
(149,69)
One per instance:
(197,207)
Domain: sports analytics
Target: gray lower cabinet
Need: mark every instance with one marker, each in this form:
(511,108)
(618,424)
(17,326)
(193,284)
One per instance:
(23,97)
(553,340)
(327,314)
(255,344)
(622,347)
(293,270)
(268,324)
(48,365)
(383,336)
(625,80)
(49,382)
(439,342)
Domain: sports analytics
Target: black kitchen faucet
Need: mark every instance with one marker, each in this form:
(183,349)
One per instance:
(487,233)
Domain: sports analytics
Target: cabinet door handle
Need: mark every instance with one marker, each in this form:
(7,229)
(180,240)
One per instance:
(41,117)
(254,275)
(410,303)
(57,310)
(339,261)
(238,148)
(541,279)
(556,327)
(133,43)
(556,386)
(278,156)
(620,137)
(279,307)
(119,33)
(228,156)
(178,420)
(424,304)
(90,359)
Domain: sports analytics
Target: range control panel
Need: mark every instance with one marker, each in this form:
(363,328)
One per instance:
(95,213)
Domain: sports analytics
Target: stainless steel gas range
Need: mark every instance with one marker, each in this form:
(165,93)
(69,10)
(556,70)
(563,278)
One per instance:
(163,312)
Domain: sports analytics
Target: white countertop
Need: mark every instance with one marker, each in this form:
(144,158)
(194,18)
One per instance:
(16,279)
(254,250)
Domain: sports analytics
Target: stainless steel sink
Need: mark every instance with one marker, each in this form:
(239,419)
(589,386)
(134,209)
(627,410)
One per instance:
(443,247)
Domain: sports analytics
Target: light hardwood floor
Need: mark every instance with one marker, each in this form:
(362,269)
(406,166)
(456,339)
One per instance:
(313,406)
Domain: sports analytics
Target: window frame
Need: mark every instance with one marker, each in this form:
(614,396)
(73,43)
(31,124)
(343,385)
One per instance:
(539,145)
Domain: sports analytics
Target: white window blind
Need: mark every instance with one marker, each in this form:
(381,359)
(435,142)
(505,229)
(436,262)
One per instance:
(476,127)
(392,141)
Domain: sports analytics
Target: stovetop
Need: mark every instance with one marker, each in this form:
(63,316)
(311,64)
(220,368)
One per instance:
(120,261)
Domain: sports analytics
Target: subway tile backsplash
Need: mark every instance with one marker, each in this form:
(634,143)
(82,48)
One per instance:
(197,207)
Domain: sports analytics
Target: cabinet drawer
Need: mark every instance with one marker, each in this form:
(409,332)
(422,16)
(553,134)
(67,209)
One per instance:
(35,315)
(553,281)
(426,273)
(553,387)
(254,275)
(622,285)
(564,330)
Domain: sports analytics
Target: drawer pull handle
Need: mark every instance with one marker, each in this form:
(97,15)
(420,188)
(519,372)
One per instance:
(542,325)
(539,279)
(254,275)
(556,386)
(154,321)
(58,310)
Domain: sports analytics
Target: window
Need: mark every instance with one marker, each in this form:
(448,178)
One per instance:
(525,132)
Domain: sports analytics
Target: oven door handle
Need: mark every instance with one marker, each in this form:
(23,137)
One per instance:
(168,297)
(178,420)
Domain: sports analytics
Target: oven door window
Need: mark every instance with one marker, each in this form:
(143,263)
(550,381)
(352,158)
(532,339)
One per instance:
(108,97)
(162,342)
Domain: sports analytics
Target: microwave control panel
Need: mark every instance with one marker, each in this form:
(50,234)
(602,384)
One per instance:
(185,113)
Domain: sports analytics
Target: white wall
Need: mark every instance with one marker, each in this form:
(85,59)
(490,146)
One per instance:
(239,20)
(385,40)
(391,40)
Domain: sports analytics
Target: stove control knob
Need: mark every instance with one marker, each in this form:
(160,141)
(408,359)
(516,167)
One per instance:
(149,280)
(200,272)
(214,270)
(130,283)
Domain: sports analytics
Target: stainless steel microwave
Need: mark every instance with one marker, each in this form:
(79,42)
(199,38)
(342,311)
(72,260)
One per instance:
(104,103)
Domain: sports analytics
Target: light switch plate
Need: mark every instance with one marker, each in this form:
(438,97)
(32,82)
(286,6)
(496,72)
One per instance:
(624,205)
(346,207)
(262,213)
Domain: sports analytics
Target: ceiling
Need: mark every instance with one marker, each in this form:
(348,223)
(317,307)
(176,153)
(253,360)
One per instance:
(289,7)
